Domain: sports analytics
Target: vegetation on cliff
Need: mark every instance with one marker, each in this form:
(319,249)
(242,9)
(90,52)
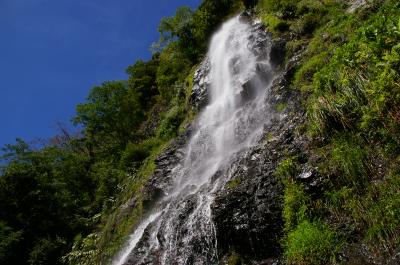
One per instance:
(349,76)
(75,199)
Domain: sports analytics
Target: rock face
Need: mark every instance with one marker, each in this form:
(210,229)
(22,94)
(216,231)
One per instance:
(247,214)
(201,85)
(247,211)
(160,181)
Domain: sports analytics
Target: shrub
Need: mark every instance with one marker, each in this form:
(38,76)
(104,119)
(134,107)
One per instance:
(84,251)
(295,205)
(169,126)
(286,169)
(311,243)
(274,23)
(383,215)
(135,153)
(350,159)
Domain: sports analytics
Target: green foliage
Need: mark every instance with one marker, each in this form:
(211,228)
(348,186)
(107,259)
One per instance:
(350,72)
(233,183)
(135,153)
(280,107)
(84,251)
(383,216)
(9,242)
(300,17)
(142,80)
(39,194)
(173,69)
(350,159)
(311,243)
(285,9)
(286,169)
(111,114)
(305,74)
(374,213)
(296,204)
(45,251)
(178,26)
(274,23)
(353,89)
(106,179)
(171,122)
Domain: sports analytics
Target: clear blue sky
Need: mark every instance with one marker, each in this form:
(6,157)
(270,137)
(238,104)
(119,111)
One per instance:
(53,51)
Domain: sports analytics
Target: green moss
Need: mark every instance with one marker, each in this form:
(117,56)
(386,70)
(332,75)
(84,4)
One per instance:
(286,169)
(280,107)
(233,183)
(274,24)
(269,137)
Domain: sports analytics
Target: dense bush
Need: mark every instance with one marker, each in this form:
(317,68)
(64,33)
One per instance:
(311,243)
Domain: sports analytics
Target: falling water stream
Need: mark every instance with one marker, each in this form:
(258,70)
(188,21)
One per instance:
(180,230)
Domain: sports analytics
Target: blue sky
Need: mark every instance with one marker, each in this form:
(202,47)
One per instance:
(53,51)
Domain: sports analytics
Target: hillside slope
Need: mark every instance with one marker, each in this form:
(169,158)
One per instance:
(321,186)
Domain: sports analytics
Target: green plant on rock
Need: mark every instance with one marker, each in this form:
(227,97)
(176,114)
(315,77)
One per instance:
(351,160)
(296,204)
(382,216)
(233,183)
(84,251)
(311,243)
(286,169)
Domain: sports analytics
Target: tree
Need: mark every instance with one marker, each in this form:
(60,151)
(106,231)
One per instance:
(111,115)
(142,79)
(42,196)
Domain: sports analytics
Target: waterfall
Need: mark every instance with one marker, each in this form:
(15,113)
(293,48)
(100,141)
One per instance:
(180,229)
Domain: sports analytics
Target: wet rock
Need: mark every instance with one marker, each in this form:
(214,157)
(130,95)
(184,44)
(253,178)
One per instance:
(161,180)
(248,92)
(359,253)
(278,50)
(201,85)
(355,4)
(144,255)
(247,212)
(311,179)
(248,215)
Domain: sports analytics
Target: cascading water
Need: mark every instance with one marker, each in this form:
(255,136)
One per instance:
(180,229)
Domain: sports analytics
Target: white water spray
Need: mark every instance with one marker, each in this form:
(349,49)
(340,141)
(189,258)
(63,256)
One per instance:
(181,231)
